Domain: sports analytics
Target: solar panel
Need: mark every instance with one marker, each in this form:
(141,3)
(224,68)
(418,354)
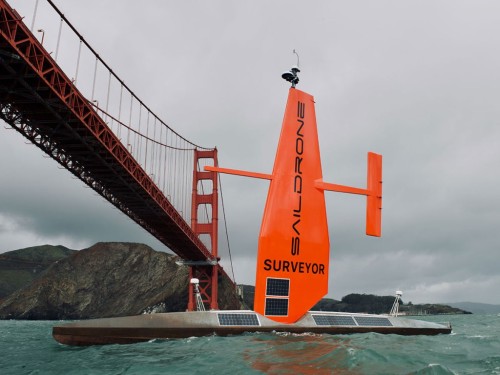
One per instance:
(231,319)
(373,321)
(334,320)
(276,306)
(278,287)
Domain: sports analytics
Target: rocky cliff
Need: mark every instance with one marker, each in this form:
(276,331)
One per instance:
(107,280)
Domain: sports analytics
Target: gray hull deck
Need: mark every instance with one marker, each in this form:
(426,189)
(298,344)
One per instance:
(131,329)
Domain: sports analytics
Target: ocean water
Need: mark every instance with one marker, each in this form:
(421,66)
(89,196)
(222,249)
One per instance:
(27,347)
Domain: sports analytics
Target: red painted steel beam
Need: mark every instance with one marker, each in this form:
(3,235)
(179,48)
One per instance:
(207,274)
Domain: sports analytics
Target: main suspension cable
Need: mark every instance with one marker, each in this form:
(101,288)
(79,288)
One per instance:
(84,42)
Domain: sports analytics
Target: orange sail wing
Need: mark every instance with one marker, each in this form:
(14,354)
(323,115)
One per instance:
(294,247)
(293,255)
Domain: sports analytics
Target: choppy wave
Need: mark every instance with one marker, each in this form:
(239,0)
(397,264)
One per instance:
(474,348)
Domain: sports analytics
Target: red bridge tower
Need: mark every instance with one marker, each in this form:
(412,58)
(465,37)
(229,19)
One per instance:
(205,271)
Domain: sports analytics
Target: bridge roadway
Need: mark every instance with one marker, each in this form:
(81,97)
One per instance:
(40,101)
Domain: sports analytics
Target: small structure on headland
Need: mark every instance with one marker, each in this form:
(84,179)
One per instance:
(395,306)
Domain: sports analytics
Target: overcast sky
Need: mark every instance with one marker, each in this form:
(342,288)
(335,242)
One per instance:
(417,81)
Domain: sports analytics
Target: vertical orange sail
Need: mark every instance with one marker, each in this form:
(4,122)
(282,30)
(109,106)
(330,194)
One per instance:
(293,255)
(294,247)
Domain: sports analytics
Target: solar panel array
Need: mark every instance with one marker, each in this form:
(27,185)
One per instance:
(373,321)
(278,287)
(334,320)
(347,320)
(276,306)
(231,319)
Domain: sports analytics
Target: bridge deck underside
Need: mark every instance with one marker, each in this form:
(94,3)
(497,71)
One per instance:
(48,110)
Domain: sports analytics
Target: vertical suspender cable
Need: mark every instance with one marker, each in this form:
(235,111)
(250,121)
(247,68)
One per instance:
(58,39)
(174,183)
(168,160)
(185,195)
(120,111)
(184,187)
(165,162)
(183,182)
(120,105)
(34,16)
(139,135)
(186,184)
(78,61)
(189,182)
(95,76)
(109,89)
(147,141)
(153,152)
(130,123)
(161,149)
(180,180)
(177,173)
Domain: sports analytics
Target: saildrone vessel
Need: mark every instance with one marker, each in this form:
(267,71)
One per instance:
(293,254)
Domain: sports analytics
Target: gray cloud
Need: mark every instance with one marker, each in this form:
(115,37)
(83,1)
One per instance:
(416,81)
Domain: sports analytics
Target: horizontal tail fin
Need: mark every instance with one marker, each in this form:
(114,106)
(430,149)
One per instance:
(373,193)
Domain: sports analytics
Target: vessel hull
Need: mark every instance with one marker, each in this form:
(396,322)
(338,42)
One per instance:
(140,328)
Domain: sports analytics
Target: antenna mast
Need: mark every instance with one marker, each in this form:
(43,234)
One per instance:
(291,75)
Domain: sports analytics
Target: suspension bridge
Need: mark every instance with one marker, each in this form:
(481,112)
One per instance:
(58,92)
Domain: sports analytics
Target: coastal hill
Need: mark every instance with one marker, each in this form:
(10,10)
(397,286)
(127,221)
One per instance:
(119,279)
(477,308)
(365,303)
(369,303)
(105,280)
(19,268)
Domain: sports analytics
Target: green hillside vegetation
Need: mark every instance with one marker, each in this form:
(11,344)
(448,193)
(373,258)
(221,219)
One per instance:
(357,303)
(19,268)
(363,303)
(431,309)
(372,304)
(366,303)
(45,254)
